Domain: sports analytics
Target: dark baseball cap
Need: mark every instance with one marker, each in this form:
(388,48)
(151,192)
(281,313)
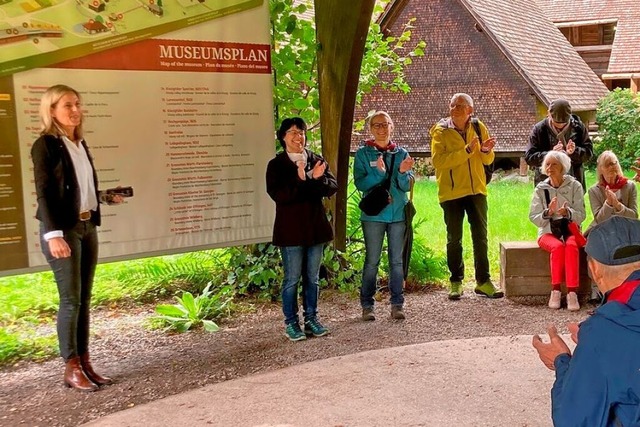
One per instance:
(616,241)
(560,110)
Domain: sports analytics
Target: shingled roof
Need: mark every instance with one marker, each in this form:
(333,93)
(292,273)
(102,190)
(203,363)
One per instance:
(625,51)
(508,56)
(544,57)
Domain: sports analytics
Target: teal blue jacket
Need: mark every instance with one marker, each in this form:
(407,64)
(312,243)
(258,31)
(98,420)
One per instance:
(366,176)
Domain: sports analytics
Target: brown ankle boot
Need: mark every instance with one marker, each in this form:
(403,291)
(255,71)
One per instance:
(91,374)
(75,377)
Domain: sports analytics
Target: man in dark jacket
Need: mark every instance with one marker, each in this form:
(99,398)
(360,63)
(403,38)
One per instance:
(600,384)
(560,131)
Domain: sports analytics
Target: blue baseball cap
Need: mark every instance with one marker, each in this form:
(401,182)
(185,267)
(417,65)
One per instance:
(616,241)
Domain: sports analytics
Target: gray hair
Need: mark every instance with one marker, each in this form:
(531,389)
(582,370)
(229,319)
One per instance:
(467,98)
(559,156)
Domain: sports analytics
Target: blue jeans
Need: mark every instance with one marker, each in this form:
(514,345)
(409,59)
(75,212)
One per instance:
(373,237)
(74,277)
(476,209)
(295,259)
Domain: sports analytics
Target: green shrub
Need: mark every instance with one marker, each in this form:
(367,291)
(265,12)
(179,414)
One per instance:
(618,118)
(15,344)
(202,310)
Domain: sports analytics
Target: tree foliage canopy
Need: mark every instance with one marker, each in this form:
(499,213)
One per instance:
(294,50)
(618,118)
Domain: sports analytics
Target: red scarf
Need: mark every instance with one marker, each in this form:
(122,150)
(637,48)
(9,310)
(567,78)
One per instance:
(620,182)
(372,143)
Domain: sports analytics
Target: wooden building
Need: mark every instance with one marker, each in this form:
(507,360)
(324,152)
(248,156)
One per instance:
(507,55)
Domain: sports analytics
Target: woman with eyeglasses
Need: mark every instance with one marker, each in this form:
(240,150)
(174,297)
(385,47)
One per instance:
(613,194)
(376,161)
(298,180)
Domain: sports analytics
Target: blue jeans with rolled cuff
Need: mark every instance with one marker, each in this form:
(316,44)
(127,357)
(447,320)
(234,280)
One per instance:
(300,262)
(74,278)
(373,238)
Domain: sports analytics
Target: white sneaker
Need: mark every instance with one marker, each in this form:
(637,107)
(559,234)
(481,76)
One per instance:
(572,302)
(554,299)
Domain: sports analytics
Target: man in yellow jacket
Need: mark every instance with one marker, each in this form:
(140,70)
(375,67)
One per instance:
(459,156)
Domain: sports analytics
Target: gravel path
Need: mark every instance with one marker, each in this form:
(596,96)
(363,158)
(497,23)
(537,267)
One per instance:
(150,365)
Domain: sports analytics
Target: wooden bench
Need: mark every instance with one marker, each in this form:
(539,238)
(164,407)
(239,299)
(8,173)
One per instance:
(524,270)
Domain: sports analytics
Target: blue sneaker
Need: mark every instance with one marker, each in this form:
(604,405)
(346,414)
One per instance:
(294,333)
(315,328)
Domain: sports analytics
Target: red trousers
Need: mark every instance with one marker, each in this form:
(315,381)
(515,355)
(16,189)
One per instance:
(564,259)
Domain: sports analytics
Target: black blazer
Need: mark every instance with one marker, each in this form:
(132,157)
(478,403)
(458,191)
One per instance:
(57,188)
(300,216)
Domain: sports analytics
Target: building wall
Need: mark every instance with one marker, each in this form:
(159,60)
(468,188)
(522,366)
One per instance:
(459,58)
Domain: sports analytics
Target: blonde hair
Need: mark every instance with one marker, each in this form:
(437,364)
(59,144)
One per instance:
(602,159)
(49,125)
(379,113)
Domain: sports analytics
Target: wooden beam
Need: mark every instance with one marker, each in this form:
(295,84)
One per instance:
(341,32)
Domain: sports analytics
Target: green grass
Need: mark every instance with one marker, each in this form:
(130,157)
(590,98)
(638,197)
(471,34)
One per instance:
(28,303)
(508,219)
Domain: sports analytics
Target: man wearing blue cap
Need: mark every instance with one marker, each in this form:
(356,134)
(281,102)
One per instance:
(599,385)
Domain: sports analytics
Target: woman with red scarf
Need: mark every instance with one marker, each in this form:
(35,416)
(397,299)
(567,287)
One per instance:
(378,161)
(613,194)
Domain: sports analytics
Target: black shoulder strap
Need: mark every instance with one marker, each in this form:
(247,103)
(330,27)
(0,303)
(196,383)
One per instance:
(546,196)
(476,127)
(387,181)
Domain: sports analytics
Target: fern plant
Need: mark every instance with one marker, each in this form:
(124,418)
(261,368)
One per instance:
(190,311)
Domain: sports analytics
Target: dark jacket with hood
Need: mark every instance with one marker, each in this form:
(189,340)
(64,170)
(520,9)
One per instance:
(543,139)
(600,384)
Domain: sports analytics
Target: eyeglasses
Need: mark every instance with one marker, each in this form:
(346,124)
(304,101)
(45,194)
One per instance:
(380,125)
(458,106)
(295,132)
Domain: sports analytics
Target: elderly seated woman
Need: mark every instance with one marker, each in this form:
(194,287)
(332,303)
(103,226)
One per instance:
(556,201)
(613,194)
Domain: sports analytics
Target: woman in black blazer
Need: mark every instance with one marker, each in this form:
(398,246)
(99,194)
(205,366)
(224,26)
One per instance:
(298,180)
(69,212)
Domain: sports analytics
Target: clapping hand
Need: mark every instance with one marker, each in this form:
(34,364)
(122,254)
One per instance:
(488,145)
(380,164)
(553,206)
(574,328)
(318,169)
(558,147)
(571,147)
(549,351)
(564,210)
(611,199)
(301,173)
(406,164)
(473,144)
(636,169)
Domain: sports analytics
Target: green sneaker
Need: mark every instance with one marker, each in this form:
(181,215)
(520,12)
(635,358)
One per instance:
(455,291)
(488,290)
(294,333)
(315,328)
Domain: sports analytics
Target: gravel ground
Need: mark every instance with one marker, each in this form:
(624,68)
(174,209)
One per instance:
(149,365)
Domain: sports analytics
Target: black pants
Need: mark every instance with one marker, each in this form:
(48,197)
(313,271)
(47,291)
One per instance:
(74,277)
(476,209)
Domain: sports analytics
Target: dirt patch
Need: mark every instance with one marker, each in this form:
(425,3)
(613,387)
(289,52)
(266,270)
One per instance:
(150,365)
